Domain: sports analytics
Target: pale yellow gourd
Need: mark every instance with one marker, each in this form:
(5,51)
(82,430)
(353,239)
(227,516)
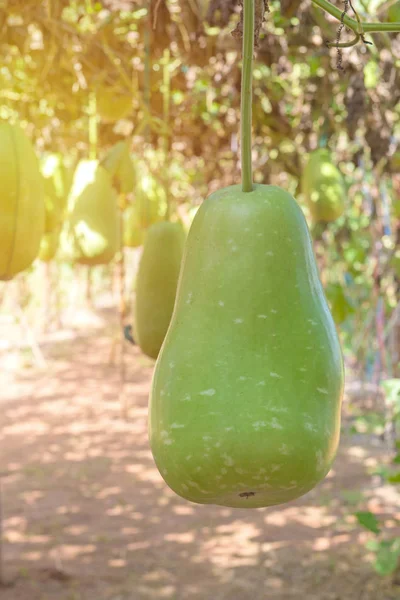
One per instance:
(22,208)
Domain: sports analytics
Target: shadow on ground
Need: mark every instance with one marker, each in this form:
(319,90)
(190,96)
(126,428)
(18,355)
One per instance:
(88,517)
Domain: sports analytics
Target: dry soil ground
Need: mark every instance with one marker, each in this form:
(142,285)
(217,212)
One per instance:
(88,517)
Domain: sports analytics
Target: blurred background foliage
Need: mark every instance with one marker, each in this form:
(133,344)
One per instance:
(166,76)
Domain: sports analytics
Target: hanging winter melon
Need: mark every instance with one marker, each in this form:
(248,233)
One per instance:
(58,178)
(22,211)
(156,285)
(94,218)
(119,164)
(323,187)
(113,104)
(133,233)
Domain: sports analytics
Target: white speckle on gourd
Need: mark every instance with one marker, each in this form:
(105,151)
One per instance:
(312,322)
(275,424)
(207,438)
(196,485)
(275,468)
(177,426)
(189,456)
(186,398)
(222,486)
(241,471)
(284,449)
(276,375)
(262,316)
(210,392)
(287,487)
(162,393)
(279,409)
(261,383)
(221,303)
(224,471)
(303,370)
(217,445)
(318,456)
(242,378)
(167,441)
(228,460)
(269,253)
(198,469)
(309,348)
(258,424)
(322,390)
(238,321)
(171,365)
(185,487)
(189,297)
(310,426)
(228,428)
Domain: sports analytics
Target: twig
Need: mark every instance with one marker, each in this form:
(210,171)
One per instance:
(156,13)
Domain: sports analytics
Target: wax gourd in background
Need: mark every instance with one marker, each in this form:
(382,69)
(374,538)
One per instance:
(323,187)
(22,206)
(156,284)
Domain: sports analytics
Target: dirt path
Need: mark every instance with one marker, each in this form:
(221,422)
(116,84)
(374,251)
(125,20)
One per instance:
(88,517)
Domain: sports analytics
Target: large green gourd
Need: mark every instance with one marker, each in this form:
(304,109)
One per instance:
(156,284)
(94,218)
(22,210)
(246,396)
(323,187)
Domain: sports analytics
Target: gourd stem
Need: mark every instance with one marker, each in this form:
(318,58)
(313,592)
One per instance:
(352,23)
(246,96)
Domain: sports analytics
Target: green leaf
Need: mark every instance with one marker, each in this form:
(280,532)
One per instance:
(394,478)
(373,545)
(387,557)
(368,520)
(396,459)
